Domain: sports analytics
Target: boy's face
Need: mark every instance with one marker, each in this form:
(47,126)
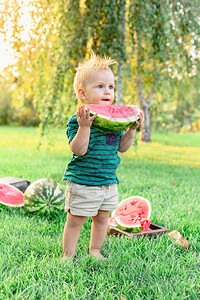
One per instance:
(99,89)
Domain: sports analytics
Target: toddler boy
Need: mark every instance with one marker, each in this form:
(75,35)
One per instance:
(91,189)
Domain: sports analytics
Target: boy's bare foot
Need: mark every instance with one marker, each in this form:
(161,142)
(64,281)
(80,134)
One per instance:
(97,254)
(66,258)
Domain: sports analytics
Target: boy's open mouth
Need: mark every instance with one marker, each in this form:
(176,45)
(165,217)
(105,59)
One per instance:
(105,101)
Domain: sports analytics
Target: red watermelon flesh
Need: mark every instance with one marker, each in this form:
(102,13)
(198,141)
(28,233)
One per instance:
(115,111)
(111,221)
(145,224)
(135,206)
(11,196)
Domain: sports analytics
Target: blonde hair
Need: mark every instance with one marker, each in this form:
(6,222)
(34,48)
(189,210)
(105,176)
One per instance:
(88,67)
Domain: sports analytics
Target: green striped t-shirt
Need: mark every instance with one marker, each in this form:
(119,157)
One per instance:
(98,165)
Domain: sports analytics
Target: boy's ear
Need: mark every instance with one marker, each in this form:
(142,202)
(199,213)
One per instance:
(81,94)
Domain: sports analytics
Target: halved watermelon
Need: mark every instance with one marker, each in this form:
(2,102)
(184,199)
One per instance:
(135,206)
(112,118)
(128,224)
(45,196)
(11,196)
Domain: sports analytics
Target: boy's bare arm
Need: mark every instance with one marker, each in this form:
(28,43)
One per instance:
(80,142)
(128,138)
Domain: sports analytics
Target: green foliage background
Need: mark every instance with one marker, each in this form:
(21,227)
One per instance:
(156,40)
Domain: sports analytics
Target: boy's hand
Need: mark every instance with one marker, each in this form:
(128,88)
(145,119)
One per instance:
(83,117)
(138,122)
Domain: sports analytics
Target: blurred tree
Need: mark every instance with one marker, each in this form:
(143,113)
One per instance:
(106,22)
(164,37)
(32,51)
(5,102)
(72,41)
(43,73)
(161,44)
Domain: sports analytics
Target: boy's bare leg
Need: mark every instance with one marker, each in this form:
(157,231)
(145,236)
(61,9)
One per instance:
(98,233)
(71,234)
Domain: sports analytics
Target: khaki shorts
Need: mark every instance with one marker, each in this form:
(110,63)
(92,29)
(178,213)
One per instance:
(83,200)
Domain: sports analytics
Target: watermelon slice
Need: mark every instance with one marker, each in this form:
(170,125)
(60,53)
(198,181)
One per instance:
(112,118)
(112,222)
(135,206)
(128,224)
(11,196)
(145,224)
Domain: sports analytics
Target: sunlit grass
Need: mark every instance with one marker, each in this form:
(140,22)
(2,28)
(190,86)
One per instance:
(183,150)
(171,154)
(165,171)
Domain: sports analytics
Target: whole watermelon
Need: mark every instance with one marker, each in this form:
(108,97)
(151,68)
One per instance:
(44,196)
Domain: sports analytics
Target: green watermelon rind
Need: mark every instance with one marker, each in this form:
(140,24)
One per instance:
(131,229)
(132,197)
(12,205)
(45,201)
(111,126)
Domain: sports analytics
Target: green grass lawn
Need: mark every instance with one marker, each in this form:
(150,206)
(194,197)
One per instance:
(166,171)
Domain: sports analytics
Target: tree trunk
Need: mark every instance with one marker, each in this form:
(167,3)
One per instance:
(146,125)
(122,32)
(120,82)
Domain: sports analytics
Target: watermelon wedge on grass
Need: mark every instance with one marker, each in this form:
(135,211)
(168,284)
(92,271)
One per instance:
(112,118)
(11,196)
(128,224)
(131,210)
(44,196)
(144,223)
